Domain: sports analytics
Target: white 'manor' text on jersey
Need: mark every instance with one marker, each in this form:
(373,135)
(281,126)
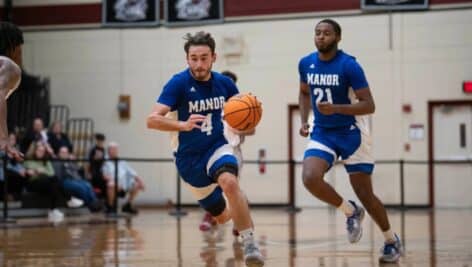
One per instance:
(322,79)
(214,103)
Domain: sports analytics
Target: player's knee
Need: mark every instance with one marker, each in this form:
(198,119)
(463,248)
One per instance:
(229,184)
(312,178)
(227,169)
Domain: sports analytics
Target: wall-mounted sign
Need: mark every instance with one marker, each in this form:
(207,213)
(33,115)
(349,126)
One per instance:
(393,4)
(193,12)
(129,13)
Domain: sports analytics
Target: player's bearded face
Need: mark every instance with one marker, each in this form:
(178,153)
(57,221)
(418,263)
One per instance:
(200,61)
(326,39)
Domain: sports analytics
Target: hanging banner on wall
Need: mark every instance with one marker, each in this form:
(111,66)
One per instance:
(192,12)
(393,4)
(130,12)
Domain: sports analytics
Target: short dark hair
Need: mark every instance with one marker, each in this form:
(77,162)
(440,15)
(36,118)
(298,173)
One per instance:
(336,26)
(99,137)
(230,75)
(199,38)
(10,37)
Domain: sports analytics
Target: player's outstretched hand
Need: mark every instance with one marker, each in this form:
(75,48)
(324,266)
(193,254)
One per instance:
(326,108)
(305,130)
(193,122)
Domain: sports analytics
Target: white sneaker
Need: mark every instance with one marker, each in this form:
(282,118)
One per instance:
(75,202)
(252,255)
(55,216)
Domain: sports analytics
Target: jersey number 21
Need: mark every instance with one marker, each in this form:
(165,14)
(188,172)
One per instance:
(319,93)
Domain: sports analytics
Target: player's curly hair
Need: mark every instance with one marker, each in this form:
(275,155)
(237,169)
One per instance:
(336,26)
(199,38)
(10,37)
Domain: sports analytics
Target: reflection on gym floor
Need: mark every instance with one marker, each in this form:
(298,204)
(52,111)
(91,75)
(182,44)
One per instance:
(313,237)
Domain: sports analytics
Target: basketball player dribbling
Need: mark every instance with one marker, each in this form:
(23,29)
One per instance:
(334,85)
(11,39)
(235,140)
(204,159)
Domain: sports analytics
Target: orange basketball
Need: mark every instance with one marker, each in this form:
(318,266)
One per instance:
(243,112)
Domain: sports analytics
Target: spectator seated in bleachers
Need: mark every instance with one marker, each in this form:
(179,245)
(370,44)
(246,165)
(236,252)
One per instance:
(16,174)
(37,133)
(72,182)
(57,138)
(128,180)
(42,179)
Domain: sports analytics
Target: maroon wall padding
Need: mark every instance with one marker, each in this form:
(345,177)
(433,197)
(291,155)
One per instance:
(91,13)
(56,14)
(264,7)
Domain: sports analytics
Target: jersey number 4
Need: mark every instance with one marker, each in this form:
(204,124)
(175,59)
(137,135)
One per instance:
(319,93)
(206,125)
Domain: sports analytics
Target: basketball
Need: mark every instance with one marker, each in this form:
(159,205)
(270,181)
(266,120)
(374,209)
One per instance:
(243,112)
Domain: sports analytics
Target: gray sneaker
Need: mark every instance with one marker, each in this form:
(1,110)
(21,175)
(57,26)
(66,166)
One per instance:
(353,222)
(252,255)
(391,252)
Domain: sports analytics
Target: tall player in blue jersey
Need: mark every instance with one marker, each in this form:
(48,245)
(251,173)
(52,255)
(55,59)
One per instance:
(334,85)
(204,159)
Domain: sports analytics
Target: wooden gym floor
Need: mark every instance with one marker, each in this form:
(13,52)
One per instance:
(313,237)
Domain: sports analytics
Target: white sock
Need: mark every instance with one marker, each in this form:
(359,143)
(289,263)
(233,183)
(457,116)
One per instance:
(347,208)
(389,236)
(247,235)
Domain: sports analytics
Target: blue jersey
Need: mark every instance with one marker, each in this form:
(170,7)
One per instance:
(330,81)
(188,96)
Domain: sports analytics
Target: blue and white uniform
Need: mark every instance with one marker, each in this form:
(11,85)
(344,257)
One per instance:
(200,153)
(337,135)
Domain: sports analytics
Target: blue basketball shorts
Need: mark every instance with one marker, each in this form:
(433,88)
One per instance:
(198,170)
(351,144)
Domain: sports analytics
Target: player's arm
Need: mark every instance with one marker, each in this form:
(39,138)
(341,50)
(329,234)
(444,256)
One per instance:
(239,132)
(249,132)
(365,105)
(304,103)
(157,120)
(10,76)
(357,81)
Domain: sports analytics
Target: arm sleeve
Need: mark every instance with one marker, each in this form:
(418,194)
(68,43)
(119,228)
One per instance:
(107,169)
(300,71)
(27,164)
(355,75)
(170,94)
(49,169)
(130,171)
